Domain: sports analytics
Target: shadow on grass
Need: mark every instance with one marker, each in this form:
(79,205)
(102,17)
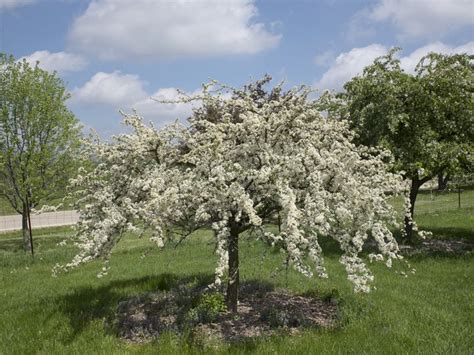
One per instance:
(463,236)
(451,233)
(88,304)
(11,245)
(446,242)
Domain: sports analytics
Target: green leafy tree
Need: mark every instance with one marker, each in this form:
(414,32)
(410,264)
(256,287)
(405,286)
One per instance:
(425,119)
(38,138)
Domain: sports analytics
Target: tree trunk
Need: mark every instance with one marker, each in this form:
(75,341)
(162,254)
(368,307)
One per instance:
(415,187)
(24,229)
(442,182)
(233,282)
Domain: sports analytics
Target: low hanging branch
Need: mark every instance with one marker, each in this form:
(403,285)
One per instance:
(240,161)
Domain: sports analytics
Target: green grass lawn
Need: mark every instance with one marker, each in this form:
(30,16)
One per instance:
(429,312)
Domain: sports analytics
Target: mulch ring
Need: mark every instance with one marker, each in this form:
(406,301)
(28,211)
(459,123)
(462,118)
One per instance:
(443,246)
(145,318)
(278,310)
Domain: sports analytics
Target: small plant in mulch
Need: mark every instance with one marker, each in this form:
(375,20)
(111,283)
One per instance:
(196,311)
(207,310)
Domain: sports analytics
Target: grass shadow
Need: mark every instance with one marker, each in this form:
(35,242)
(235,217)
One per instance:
(11,245)
(451,233)
(446,242)
(85,305)
(329,246)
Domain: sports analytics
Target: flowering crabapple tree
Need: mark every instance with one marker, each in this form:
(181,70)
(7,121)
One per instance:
(243,157)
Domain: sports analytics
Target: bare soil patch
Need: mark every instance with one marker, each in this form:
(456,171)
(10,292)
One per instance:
(278,310)
(260,313)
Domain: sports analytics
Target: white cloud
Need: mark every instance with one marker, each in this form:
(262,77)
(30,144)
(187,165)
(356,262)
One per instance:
(152,108)
(409,62)
(352,63)
(126,92)
(10,4)
(114,89)
(60,61)
(324,58)
(112,29)
(424,18)
(360,26)
(348,65)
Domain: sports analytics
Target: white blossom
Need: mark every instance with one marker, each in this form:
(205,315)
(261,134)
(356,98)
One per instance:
(240,161)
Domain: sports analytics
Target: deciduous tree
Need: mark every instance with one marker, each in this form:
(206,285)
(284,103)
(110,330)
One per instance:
(239,161)
(425,119)
(38,138)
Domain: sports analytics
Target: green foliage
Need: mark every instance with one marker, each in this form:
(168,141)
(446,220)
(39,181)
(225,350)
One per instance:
(332,296)
(208,308)
(426,119)
(213,303)
(282,318)
(39,136)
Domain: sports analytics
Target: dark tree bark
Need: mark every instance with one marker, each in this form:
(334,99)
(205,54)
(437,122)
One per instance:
(24,228)
(442,182)
(414,189)
(233,282)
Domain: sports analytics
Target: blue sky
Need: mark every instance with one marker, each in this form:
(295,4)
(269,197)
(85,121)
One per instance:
(117,54)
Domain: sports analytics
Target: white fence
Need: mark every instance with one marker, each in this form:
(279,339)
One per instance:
(49,219)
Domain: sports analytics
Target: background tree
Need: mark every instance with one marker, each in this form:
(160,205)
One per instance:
(240,161)
(38,138)
(426,119)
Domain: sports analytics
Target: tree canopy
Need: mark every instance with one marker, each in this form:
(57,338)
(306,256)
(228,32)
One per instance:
(39,136)
(425,119)
(239,161)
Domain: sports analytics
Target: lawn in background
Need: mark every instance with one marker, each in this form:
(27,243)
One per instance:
(428,312)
